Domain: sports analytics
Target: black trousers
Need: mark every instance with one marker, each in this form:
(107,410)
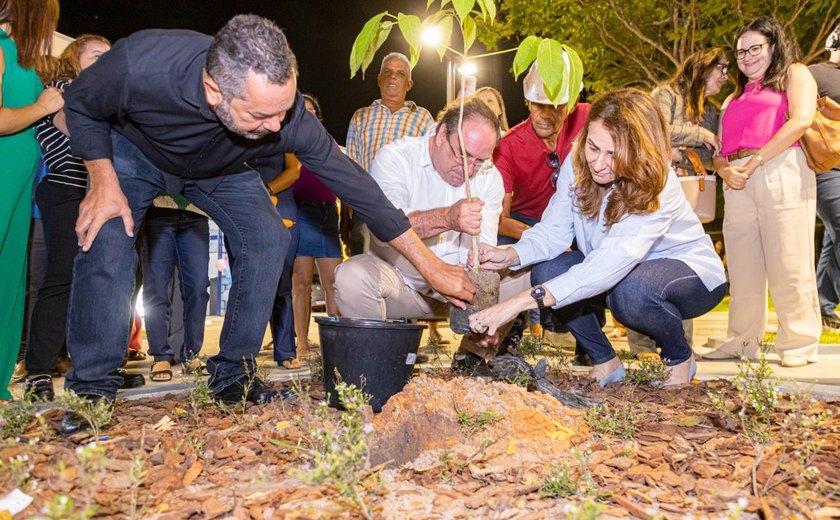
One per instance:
(59,205)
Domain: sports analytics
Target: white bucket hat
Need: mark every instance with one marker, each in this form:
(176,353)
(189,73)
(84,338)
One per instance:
(533,86)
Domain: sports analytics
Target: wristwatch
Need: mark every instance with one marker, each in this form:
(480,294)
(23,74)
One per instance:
(538,293)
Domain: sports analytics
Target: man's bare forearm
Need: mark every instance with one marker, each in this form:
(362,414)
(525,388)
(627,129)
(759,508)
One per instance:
(430,222)
(101,173)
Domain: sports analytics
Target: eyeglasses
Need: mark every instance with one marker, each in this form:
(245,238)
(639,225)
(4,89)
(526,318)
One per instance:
(552,160)
(723,68)
(755,50)
(471,161)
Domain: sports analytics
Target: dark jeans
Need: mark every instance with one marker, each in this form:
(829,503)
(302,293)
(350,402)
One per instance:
(97,330)
(282,321)
(828,266)
(59,205)
(182,237)
(652,299)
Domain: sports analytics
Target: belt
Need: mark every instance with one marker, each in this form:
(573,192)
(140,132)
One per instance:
(740,154)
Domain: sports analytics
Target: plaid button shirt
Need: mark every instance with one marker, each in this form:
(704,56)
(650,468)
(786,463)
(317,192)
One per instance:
(375,126)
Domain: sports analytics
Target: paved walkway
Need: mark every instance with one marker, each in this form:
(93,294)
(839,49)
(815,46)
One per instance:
(821,378)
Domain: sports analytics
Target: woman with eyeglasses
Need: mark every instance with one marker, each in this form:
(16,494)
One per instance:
(770,198)
(642,250)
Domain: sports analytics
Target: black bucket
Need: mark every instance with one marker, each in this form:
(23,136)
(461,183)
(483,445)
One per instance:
(375,355)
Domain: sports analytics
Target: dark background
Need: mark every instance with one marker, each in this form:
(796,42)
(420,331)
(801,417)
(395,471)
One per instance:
(320,32)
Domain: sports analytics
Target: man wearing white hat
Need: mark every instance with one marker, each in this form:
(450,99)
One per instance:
(530,154)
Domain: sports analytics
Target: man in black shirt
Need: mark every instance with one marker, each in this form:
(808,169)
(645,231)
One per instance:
(182,112)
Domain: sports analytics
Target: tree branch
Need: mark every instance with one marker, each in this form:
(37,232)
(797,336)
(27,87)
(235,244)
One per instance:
(633,28)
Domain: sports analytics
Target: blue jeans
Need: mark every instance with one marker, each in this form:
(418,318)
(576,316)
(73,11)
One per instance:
(172,236)
(828,266)
(103,278)
(652,299)
(534,314)
(282,321)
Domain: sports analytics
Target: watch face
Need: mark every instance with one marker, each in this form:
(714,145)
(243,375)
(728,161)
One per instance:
(538,292)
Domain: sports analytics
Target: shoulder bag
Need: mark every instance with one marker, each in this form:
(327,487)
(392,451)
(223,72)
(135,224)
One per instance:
(821,142)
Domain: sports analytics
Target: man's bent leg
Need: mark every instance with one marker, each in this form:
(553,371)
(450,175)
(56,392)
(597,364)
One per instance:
(240,205)
(99,312)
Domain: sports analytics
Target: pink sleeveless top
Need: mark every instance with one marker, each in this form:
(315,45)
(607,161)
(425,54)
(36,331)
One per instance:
(752,119)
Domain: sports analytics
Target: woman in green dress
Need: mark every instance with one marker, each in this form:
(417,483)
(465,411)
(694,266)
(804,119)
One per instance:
(26,30)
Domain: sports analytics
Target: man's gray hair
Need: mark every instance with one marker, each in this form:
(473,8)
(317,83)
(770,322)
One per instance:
(474,108)
(396,56)
(249,43)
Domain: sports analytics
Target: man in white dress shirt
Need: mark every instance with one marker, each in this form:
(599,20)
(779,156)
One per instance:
(424,176)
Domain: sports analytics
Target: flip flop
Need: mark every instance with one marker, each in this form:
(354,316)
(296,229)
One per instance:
(291,364)
(136,355)
(161,372)
(195,366)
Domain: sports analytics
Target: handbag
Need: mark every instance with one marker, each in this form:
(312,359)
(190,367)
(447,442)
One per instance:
(821,142)
(700,190)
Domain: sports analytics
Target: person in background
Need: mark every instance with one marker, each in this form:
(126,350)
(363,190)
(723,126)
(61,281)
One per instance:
(770,198)
(319,245)
(58,197)
(827,76)
(494,100)
(26,30)
(693,122)
(642,250)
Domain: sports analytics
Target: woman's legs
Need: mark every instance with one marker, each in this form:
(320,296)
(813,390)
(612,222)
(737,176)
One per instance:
(326,273)
(656,296)
(302,302)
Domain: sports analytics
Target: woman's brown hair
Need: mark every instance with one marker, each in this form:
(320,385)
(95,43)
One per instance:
(68,66)
(690,80)
(33,23)
(641,156)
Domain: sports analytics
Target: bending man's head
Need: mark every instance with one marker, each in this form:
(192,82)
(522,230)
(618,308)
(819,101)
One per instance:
(250,76)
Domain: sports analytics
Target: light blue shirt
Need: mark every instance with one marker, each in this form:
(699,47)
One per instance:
(673,231)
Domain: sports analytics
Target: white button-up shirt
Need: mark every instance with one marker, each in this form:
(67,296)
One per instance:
(673,231)
(404,171)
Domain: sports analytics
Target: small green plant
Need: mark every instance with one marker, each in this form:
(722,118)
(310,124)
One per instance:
(199,395)
(339,446)
(62,507)
(618,420)
(97,413)
(471,424)
(646,371)
(16,416)
(315,363)
(565,481)
(137,473)
(17,471)
(586,510)
(756,396)
(528,345)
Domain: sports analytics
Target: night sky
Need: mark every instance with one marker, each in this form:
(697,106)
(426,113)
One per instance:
(320,32)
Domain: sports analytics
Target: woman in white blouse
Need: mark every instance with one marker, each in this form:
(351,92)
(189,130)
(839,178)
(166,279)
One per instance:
(642,251)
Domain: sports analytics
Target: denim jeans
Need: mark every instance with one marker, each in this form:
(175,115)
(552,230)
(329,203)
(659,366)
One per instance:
(828,265)
(181,236)
(103,278)
(533,314)
(652,299)
(282,321)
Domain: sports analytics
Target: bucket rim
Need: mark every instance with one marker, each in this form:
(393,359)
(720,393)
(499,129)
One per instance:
(367,323)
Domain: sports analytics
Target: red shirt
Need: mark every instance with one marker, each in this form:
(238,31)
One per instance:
(520,157)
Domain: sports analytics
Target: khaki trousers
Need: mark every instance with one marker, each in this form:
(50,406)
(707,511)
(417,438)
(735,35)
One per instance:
(768,228)
(368,287)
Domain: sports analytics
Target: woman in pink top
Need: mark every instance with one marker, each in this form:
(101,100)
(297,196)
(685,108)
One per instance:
(770,196)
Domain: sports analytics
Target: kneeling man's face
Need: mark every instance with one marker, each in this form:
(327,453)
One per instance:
(479,141)
(262,109)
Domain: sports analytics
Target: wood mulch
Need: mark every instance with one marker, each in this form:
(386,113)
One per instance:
(162,459)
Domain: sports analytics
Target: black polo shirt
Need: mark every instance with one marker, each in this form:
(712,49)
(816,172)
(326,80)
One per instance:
(149,88)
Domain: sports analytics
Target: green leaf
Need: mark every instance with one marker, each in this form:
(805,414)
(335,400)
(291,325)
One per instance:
(463,8)
(364,41)
(575,76)
(490,5)
(381,36)
(481,5)
(411,29)
(553,68)
(446,26)
(525,54)
(469,33)
(429,4)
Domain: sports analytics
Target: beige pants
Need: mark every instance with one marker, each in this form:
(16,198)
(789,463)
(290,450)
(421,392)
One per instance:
(768,228)
(368,287)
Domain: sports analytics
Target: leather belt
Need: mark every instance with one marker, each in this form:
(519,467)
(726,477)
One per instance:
(740,154)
